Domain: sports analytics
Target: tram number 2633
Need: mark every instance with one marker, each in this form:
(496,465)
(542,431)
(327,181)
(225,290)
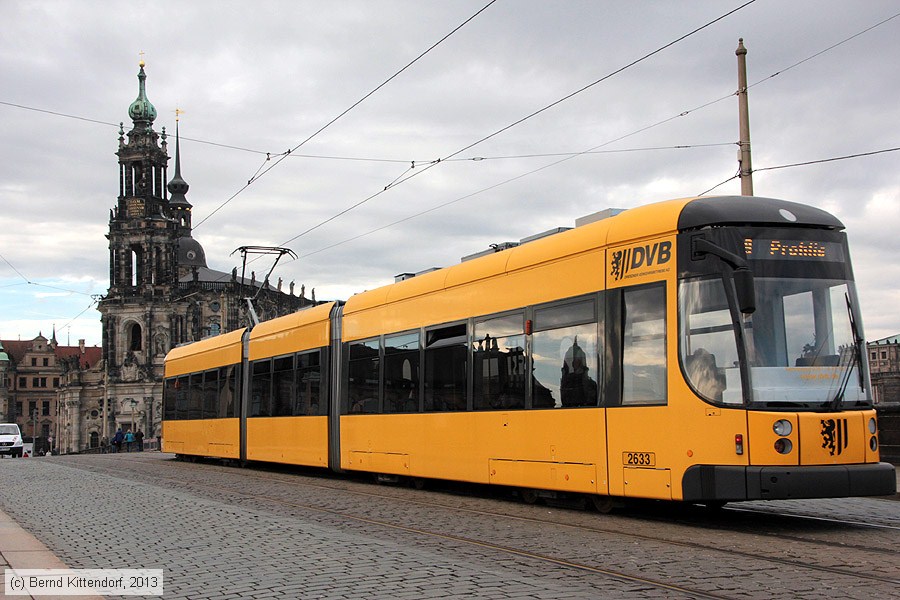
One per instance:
(639,459)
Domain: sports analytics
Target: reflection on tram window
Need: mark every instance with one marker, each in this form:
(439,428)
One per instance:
(182,391)
(169,394)
(195,397)
(226,392)
(261,389)
(210,390)
(446,356)
(499,365)
(364,374)
(644,345)
(282,386)
(565,367)
(309,381)
(401,373)
(708,345)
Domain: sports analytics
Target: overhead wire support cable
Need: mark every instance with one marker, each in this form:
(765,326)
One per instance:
(825,160)
(259,174)
(19,273)
(806,163)
(820,52)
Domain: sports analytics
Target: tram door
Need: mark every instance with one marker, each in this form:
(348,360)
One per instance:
(636,396)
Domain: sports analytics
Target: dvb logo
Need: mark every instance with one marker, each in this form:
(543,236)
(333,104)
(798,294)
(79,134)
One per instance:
(631,259)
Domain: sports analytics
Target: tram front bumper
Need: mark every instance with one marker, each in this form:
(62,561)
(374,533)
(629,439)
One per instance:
(704,483)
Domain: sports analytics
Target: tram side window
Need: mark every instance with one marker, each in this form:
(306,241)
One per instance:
(261,389)
(364,376)
(446,356)
(227,391)
(210,390)
(283,386)
(182,391)
(169,392)
(498,363)
(566,361)
(309,382)
(708,348)
(401,373)
(644,345)
(195,397)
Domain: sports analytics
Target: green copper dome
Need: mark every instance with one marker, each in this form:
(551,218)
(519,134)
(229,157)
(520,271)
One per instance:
(141,110)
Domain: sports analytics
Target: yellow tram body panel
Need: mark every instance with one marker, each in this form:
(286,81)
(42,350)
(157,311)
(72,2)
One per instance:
(199,356)
(203,437)
(220,438)
(289,440)
(565,265)
(553,449)
(302,330)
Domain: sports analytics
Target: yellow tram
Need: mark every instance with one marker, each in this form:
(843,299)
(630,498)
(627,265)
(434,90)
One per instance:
(702,349)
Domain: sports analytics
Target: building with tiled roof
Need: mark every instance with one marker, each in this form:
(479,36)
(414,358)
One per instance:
(884,369)
(37,381)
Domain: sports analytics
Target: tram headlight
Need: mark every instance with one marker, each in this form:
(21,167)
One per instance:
(873,443)
(873,426)
(783,446)
(782,427)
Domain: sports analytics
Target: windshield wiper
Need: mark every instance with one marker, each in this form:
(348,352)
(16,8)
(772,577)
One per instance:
(855,359)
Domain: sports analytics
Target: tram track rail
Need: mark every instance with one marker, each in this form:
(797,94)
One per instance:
(274,477)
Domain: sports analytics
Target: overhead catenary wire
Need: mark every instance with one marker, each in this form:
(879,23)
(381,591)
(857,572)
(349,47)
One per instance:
(805,164)
(635,132)
(260,172)
(407,161)
(403,161)
(403,177)
(27,281)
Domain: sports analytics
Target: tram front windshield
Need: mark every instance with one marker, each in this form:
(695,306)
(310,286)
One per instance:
(798,345)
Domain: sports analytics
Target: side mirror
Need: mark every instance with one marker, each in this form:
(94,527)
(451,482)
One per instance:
(743,276)
(746,292)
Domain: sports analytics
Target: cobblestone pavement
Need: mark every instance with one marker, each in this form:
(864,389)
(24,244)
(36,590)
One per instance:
(229,533)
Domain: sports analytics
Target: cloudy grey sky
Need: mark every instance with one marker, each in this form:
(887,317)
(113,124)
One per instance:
(257,78)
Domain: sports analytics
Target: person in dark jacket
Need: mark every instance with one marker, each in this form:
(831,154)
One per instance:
(118,439)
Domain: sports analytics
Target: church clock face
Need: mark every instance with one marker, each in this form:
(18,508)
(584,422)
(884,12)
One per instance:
(135,207)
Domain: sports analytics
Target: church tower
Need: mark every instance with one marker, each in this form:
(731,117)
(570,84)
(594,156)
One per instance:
(143,267)
(161,291)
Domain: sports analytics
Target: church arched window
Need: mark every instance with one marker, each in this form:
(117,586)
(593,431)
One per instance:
(134,337)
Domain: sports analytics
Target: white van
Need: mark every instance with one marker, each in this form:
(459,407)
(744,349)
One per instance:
(10,440)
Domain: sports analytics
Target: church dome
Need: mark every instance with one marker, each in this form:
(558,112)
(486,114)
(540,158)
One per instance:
(190,253)
(141,110)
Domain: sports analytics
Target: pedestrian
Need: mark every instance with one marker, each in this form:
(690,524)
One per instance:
(139,440)
(104,445)
(117,440)
(129,440)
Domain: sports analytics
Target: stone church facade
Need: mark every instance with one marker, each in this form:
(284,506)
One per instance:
(161,293)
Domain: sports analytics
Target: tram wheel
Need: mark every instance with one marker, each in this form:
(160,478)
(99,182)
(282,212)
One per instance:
(603,504)
(528,495)
(418,483)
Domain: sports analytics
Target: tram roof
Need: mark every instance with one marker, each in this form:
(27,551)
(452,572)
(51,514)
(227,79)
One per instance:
(642,222)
